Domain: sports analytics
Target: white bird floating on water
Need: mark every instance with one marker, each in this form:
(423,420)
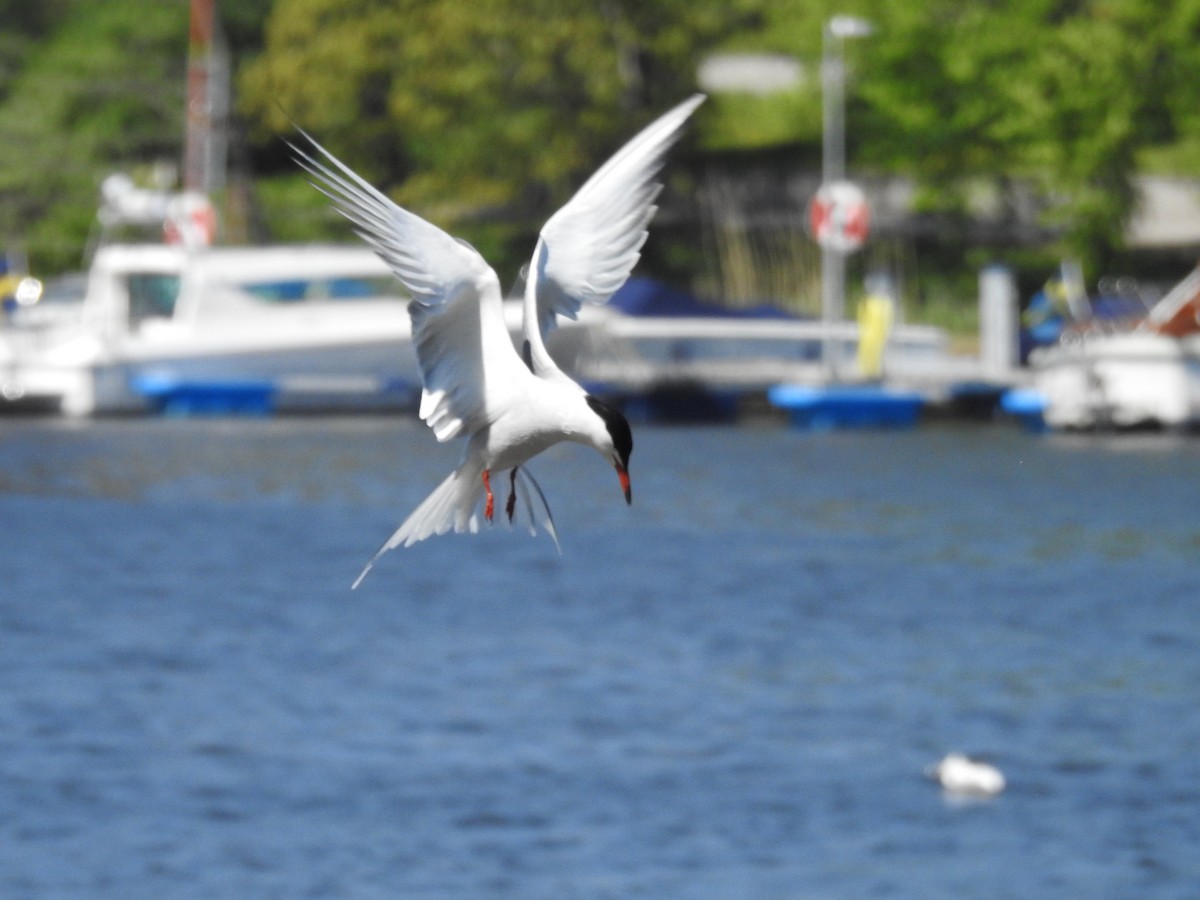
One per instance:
(962,776)
(510,407)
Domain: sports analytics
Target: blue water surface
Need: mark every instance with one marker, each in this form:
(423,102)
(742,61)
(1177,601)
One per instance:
(729,690)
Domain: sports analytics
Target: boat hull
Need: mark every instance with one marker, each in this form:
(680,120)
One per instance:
(1129,380)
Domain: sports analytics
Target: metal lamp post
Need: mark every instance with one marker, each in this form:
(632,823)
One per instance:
(833,169)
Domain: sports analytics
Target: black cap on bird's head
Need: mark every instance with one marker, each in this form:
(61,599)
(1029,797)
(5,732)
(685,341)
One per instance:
(622,441)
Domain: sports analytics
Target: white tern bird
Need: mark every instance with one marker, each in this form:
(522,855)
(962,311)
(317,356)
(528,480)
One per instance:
(509,406)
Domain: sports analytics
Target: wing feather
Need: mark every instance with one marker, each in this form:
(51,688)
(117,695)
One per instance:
(461,341)
(587,249)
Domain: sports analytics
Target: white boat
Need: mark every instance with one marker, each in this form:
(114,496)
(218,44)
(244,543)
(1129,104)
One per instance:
(1145,376)
(293,321)
(221,329)
(1130,380)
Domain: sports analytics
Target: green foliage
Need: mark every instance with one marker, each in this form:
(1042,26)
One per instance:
(752,121)
(1063,96)
(25,24)
(486,115)
(1070,99)
(295,213)
(457,107)
(103,93)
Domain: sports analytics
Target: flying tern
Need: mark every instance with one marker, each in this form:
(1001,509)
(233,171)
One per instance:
(509,406)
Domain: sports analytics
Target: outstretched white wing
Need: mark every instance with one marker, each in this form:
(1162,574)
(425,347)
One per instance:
(461,339)
(588,248)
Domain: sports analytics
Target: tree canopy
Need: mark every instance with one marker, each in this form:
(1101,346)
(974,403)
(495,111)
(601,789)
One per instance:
(461,107)
(104,87)
(1070,97)
(470,111)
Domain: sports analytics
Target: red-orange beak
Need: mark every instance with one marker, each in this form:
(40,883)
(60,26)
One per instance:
(624,476)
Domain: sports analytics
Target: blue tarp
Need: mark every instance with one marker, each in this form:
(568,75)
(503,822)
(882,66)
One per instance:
(650,298)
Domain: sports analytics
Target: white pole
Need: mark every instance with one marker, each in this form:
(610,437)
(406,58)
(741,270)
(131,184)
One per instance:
(833,169)
(833,164)
(998,323)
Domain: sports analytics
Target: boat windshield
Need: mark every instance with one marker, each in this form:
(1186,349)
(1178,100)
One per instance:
(301,290)
(152,295)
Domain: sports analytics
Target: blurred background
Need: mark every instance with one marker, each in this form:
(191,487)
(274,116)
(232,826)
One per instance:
(1017,131)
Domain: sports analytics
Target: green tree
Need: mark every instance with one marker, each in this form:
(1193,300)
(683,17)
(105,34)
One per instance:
(24,25)
(103,93)
(87,89)
(492,112)
(458,108)
(1065,97)
(1062,101)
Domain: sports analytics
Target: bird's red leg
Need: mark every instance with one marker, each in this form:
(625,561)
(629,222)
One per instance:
(489,506)
(511,506)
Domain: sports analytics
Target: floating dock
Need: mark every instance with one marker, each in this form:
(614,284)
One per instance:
(841,406)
